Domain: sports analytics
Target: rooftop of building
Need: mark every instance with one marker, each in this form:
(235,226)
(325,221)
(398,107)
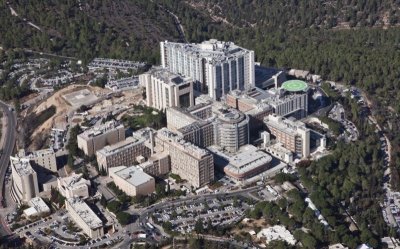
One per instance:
(39,205)
(133,175)
(42,153)
(101,129)
(279,148)
(286,125)
(85,212)
(73,181)
(168,77)
(212,50)
(295,86)
(122,145)
(22,166)
(229,115)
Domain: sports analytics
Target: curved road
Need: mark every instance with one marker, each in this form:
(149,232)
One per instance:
(8,148)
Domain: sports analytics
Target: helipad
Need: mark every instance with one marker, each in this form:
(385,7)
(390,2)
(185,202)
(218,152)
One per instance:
(295,85)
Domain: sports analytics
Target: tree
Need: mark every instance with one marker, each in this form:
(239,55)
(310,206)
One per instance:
(114,206)
(124,218)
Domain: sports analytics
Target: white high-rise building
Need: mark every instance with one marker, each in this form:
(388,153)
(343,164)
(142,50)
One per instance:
(167,89)
(24,180)
(217,67)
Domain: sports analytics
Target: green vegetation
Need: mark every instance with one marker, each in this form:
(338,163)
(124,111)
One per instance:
(177,178)
(145,117)
(334,126)
(72,145)
(56,197)
(124,218)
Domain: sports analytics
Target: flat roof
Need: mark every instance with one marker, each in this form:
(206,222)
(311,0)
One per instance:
(85,212)
(73,182)
(168,77)
(39,205)
(294,86)
(22,166)
(134,175)
(99,130)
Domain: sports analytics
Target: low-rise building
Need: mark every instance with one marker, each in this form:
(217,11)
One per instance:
(248,162)
(24,180)
(84,217)
(97,137)
(37,208)
(73,186)
(122,153)
(132,180)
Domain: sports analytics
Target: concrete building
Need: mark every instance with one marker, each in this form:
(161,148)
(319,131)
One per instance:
(37,207)
(248,162)
(122,153)
(190,162)
(216,67)
(24,180)
(294,135)
(132,180)
(157,165)
(84,217)
(259,103)
(73,186)
(166,89)
(231,129)
(45,158)
(97,137)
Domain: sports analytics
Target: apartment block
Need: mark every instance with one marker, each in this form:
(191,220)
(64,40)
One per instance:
(84,217)
(97,137)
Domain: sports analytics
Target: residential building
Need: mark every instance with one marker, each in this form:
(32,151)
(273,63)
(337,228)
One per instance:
(24,180)
(84,217)
(248,162)
(132,180)
(37,207)
(294,135)
(97,137)
(217,67)
(73,186)
(190,162)
(122,153)
(167,89)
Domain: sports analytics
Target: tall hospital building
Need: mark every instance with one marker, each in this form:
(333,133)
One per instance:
(216,67)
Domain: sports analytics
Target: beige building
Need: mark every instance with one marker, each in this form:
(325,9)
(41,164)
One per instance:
(294,135)
(37,207)
(122,153)
(190,162)
(132,180)
(165,89)
(157,165)
(97,137)
(45,158)
(73,186)
(24,180)
(84,217)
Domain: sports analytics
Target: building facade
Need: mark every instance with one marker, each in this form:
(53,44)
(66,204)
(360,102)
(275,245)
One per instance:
(166,89)
(294,135)
(132,180)
(84,217)
(24,180)
(97,137)
(216,67)
(190,162)
(122,153)
(45,158)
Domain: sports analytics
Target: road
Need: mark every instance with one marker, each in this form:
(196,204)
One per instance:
(145,212)
(8,148)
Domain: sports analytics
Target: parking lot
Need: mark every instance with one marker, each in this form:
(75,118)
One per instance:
(220,211)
